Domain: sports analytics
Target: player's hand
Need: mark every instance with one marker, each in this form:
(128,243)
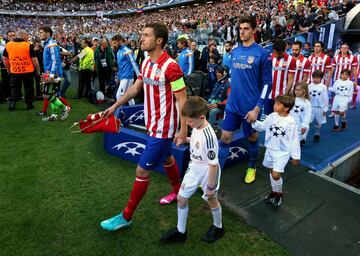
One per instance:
(180,138)
(295,162)
(252,116)
(303,130)
(211,106)
(50,80)
(109,111)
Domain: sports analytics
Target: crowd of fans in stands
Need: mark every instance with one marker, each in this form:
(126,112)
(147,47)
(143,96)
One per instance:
(275,18)
(62,6)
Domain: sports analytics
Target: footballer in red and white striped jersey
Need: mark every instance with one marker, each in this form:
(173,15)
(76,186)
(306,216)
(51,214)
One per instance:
(358,61)
(281,69)
(303,66)
(345,60)
(160,106)
(321,62)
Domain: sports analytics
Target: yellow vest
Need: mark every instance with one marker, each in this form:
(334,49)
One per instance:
(88,61)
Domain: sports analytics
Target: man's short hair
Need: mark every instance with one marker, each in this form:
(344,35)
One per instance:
(318,73)
(287,101)
(279,45)
(298,43)
(229,42)
(47,29)
(321,44)
(194,107)
(183,41)
(9,31)
(248,19)
(118,38)
(160,31)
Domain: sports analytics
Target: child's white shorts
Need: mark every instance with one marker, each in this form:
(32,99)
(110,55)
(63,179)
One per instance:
(317,115)
(196,175)
(340,103)
(276,160)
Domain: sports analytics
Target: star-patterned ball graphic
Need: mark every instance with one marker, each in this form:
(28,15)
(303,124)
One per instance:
(315,93)
(298,109)
(277,130)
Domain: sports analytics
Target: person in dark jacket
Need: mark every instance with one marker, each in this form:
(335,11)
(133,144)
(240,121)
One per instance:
(104,58)
(193,47)
(205,55)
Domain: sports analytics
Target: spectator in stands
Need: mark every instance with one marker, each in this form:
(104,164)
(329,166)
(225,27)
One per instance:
(196,52)
(218,96)
(205,55)
(306,51)
(226,60)
(227,31)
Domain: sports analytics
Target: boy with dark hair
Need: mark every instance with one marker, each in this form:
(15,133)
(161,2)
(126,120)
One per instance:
(319,100)
(343,89)
(281,142)
(203,170)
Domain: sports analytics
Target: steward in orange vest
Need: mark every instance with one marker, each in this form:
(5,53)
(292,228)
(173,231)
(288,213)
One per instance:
(21,62)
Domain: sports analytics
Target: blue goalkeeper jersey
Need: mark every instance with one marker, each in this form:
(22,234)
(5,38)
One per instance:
(251,79)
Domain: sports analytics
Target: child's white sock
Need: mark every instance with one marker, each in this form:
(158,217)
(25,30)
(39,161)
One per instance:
(217,216)
(336,119)
(276,184)
(182,218)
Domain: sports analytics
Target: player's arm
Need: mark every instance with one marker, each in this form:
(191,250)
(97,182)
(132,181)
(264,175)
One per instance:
(129,94)
(329,69)
(191,63)
(266,82)
(325,97)
(307,69)
(295,151)
(181,97)
(355,75)
(5,59)
(290,78)
(34,60)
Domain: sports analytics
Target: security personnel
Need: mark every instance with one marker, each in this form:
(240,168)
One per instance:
(86,68)
(21,62)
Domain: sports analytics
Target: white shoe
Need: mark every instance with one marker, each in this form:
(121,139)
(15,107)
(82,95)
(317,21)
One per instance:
(65,113)
(53,117)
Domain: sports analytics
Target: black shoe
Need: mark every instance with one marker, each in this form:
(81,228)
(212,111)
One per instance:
(277,200)
(30,106)
(173,235)
(213,234)
(12,105)
(270,198)
(40,113)
(343,125)
(316,139)
(336,128)
(302,142)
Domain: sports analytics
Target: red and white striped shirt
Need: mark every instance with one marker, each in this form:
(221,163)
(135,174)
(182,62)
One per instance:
(358,60)
(323,63)
(281,68)
(340,63)
(302,68)
(161,109)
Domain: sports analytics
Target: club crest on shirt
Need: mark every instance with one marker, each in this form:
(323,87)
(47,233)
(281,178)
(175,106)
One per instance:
(197,145)
(157,73)
(250,59)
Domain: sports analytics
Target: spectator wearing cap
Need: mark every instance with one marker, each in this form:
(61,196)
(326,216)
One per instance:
(205,55)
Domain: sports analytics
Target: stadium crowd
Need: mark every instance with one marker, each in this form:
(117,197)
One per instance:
(68,6)
(275,19)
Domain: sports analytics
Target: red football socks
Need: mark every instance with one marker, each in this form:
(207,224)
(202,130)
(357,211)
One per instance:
(172,171)
(138,191)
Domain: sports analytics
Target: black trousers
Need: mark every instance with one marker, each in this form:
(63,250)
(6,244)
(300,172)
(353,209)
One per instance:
(104,76)
(5,83)
(85,77)
(16,82)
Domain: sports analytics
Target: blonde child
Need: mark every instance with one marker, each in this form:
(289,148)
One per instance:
(301,112)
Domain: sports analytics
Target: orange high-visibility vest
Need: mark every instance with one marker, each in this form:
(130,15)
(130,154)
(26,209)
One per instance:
(19,57)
